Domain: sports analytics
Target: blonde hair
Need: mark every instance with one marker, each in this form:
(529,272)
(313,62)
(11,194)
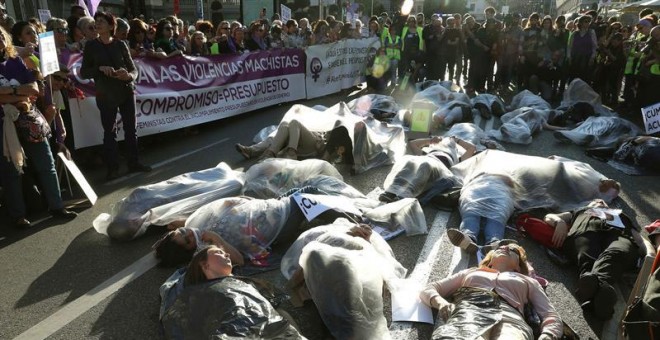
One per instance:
(522,259)
(10,50)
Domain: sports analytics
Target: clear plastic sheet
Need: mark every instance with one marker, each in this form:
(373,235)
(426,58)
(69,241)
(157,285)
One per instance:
(519,125)
(601,131)
(488,195)
(336,187)
(167,201)
(421,86)
(489,101)
(412,175)
(375,143)
(226,308)
(528,99)
(264,133)
(406,213)
(275,176)
(556,184)
(336,231)
(347,287)
(441,96)
(579,91)
(474,134)
(375,105)
(250,225)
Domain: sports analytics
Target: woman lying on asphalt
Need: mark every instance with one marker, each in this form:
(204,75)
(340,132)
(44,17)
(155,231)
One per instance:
(212,302)
(488,302)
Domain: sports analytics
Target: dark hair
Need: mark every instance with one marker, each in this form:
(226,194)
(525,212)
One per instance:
(16,31)
(109,18)
(204,26)
(75,8)
(339,137)
(170,253)
(136,25)
(645,12)
(160,27)
(194,272)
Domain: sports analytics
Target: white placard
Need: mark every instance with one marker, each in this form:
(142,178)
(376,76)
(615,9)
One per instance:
(48,54)
(80,178)
(44,15)
(651,115)
(505,10)
(406,305)
(285,13)
(314,205)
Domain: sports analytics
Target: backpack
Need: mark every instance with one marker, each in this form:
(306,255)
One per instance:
(536,228)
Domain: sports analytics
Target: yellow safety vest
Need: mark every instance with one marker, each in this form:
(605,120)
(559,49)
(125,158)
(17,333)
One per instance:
(392,46)
(403,38)
(632,60)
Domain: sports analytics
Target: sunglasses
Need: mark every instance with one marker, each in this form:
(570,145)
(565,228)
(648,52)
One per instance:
(511,248)
(60,78)
(62,30)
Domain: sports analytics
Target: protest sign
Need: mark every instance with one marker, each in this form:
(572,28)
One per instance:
(314,205)
(285,13)
(337,66)
(44,15)
(651,115)
(185,91)
(79,177)
(48,54)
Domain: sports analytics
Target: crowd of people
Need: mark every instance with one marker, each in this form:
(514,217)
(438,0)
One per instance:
(540,54)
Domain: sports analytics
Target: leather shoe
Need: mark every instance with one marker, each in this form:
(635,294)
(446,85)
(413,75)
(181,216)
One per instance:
(63,213)
(138,167)
(22,223)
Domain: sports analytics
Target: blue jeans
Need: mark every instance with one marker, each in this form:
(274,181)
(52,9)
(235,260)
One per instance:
(40,159)
(471,225)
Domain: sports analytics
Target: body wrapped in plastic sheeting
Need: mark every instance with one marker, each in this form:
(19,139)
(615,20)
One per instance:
(392,269)
(250,225)
(528,99)
(473,315)
(601,131)
(346,286)
(225,308)
(167,201)
(545,183)
(411,175)
(374,143)
(377,106)
(579,91)
(406,213)
(473,134)
(265,133)
(487,195)
(519,125)
(440,96)
(421,86)
(275,176)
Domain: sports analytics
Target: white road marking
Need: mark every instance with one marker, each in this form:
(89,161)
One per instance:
(422,270)
(167,161)
(82,304)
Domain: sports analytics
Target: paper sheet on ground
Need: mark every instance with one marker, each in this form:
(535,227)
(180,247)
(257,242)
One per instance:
(406,305)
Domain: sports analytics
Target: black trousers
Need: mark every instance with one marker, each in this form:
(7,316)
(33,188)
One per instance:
(604,253)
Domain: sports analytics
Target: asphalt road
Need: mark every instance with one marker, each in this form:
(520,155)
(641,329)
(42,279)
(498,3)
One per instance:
(61,280)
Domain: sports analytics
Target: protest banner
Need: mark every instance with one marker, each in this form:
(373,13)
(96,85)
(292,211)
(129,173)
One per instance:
(651,115)
(185,91)
(337,66)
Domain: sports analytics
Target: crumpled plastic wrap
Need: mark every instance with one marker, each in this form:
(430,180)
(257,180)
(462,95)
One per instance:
(167,201)
(346,284)
(472,317)
(519,125)
(528,99)
(441,96)
(375,143)
(226,308)
(556,184)
(336,231)
(250,225)
(377,106)
(488,195)
(406,213)
(264,133)
(421,86)
(275,176)
(411,175)
(600,131)
(490,101)
(579,91)
(474,134)
(336,187)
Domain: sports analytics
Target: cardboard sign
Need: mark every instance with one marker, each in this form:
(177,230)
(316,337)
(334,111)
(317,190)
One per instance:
(79,177)
(48,54)
(651,115)
(420,119)
(314,205)
(285,13)
(44,15)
